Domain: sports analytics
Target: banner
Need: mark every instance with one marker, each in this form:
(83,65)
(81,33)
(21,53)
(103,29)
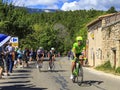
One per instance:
(14,41)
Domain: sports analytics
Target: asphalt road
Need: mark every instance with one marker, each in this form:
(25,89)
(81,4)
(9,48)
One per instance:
(31,79)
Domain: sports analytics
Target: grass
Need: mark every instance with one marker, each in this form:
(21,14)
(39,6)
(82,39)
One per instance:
(106,67)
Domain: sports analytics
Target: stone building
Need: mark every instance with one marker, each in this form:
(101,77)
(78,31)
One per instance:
(104,40)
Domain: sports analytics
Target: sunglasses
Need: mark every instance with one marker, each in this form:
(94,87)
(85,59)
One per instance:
(79,41)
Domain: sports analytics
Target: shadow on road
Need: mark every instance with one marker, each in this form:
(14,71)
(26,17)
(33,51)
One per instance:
(90,83)
(19,81)
(22,74)
(14,82)
(19,77)
(22,71)
(21,87)
(53,71)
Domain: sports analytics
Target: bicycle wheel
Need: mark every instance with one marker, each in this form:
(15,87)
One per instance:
(52,66)
(75,74)
(80,76)
(74,80)
(40,66)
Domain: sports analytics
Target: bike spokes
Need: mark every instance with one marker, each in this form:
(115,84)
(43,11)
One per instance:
(52,66)
(40,66)
(80,77)
(74,79)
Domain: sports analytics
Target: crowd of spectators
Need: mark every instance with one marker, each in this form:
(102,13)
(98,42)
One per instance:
(11,58)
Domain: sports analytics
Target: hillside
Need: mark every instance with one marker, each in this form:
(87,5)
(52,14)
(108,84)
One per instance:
(57,29)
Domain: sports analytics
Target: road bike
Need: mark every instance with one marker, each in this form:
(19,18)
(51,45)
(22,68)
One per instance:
(39,65)
(52,65)
(78,73)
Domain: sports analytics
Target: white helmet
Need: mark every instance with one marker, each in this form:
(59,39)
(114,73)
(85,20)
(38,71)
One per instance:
(40,48)
(52,48)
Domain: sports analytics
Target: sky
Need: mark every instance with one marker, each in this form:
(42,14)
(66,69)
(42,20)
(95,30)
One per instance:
(67,5)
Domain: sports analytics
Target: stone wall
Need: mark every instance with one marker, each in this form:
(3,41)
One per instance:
(112,18)
(106,43)
(111,43)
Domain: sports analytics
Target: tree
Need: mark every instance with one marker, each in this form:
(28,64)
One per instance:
(112,10)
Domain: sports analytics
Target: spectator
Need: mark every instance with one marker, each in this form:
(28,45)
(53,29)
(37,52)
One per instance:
(10,61)
(69,54)
(31,55)
(1,62)
(19,57)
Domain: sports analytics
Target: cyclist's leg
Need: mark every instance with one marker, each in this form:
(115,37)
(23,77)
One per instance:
(42,59)
(53,65)
(72,68)
(53,58)
(81,59)
(38,61)
(50,60)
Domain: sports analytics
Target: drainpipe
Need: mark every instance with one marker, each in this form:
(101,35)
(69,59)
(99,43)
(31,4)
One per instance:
(118,51)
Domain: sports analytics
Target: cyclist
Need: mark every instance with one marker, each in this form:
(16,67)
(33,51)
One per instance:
(77,52)
(51,56)
(40,56)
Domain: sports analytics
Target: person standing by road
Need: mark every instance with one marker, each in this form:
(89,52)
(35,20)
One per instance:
(1,61)
(19,57)
(25,57)
(10,60)
(31,54)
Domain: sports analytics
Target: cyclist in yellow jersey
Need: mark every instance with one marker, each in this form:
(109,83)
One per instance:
(77,52)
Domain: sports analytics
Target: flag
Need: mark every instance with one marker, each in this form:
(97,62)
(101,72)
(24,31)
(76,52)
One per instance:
(3,39)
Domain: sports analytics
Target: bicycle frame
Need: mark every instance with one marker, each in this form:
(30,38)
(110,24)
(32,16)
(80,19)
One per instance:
(51,65)
(78,73)
(76,70)
(40,64)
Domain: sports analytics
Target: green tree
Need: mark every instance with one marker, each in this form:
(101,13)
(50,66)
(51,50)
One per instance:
(111,10)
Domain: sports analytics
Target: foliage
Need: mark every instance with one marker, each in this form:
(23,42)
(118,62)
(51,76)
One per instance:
(117,70)
(55,29)
(105,66)
(111,10)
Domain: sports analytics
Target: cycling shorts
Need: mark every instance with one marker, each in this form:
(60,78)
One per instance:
(77,55)
(40,55)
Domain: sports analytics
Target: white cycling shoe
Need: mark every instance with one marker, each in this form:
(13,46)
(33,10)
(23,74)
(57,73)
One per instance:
(49,68)
(71,77)
(37,66)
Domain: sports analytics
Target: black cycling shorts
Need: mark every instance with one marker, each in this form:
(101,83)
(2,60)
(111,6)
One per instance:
(40,55)
(78,54)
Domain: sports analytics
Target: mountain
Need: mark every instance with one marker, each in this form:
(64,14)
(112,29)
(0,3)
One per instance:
(32,10)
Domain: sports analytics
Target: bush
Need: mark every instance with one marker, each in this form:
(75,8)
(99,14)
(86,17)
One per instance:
(117,70)
(105,66)
(108,68)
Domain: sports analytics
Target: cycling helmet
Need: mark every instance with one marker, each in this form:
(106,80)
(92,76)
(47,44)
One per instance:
(52,48)
(40,48)
(79,38)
